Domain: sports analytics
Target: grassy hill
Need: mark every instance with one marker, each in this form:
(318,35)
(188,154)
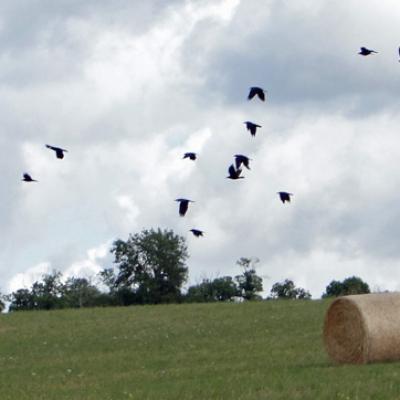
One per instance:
(262,350)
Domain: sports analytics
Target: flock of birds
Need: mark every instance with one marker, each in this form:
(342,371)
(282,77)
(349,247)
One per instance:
(59,154)
(234,170)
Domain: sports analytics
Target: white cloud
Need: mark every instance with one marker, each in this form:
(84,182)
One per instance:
(91,265)
(27,278)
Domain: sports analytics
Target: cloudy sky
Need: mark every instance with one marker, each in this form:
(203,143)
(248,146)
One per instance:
(129,86)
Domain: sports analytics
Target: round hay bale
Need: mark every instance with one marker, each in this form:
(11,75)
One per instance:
(363,328)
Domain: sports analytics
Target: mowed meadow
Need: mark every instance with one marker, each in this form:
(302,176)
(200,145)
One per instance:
(253,350)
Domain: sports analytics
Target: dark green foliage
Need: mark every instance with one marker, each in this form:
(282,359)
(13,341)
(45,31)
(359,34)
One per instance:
(220,289)
(288,290)
(151,269)
(352,285)
(245,286)
(152,264)
(79,292)
(201,293)
(120,295)
(50,293)
(249,283)
(117,295)
(46,295)
(108,278)
(21,300)
(125,296)
(225,288)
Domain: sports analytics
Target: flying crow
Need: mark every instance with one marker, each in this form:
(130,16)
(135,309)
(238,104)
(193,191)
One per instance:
(196,232)
(241,159)
(59,151)
(234,173)
(190,155)
(28,178)
(285,196)
(183,206)
(366,52)
(256,91)
(252,127)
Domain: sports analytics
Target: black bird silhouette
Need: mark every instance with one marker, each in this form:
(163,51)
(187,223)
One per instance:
(285,196)
(241,159)
(256,91)
(183,206)
(234,173)
(366,52)
(59,151)
(190,155)
(28,178)
(196,232)
(252,127)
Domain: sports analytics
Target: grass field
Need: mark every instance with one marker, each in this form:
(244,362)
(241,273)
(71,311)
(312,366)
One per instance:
(261,350)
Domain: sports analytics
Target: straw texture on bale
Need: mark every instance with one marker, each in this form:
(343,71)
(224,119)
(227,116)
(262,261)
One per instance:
(363,328)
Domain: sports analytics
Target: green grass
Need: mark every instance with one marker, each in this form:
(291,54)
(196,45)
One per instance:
(262,350)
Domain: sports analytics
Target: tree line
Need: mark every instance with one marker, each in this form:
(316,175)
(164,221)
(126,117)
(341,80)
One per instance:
(150,268)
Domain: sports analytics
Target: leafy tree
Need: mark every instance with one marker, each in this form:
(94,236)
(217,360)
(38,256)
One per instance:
(288,290)
(50,293)
(21,299)
(225,288)
(79,292)
(46,295)
(351,285)
(152,263)
(108,278)
(220,289)
(118,295)
(249,283)
(201,293)
(303,294)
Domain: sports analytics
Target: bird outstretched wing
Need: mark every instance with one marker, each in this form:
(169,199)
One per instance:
(58,150)
(252,93)
(261,95)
